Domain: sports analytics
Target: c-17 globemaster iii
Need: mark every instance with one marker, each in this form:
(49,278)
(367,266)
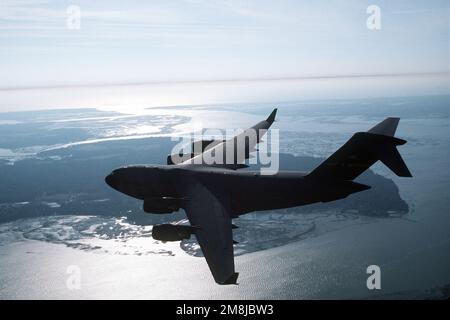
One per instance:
(212,194)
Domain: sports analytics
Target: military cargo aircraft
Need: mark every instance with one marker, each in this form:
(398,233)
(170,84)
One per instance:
(214,193)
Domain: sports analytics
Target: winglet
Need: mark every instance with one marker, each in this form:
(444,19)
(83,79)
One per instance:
(271,118)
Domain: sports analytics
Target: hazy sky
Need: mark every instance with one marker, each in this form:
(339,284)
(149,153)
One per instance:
(138,41)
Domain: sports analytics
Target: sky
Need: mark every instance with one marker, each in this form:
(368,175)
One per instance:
(122,42)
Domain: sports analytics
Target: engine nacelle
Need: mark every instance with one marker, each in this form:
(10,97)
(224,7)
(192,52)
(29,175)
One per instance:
(161,205)
(171,232)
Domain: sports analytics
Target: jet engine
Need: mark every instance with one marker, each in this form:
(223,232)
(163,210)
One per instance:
(171,232)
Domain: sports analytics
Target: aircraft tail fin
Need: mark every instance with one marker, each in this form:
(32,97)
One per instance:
(362,151)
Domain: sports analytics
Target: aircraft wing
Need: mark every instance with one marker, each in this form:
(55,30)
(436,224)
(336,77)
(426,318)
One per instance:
(208,212)
(231,153)
(208,208)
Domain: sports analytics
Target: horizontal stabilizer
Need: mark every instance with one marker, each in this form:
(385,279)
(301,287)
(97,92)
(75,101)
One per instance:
(393,160)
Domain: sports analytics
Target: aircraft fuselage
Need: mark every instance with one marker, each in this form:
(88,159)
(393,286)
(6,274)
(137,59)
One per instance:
(163,185)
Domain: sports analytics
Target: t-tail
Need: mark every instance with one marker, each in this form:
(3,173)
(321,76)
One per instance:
(362,151)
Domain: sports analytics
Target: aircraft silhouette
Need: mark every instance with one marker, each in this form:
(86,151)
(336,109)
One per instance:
(212,194)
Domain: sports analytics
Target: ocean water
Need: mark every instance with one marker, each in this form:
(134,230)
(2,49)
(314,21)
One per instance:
(118,259)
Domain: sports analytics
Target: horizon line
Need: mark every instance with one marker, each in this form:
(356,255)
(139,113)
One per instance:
(229,80)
